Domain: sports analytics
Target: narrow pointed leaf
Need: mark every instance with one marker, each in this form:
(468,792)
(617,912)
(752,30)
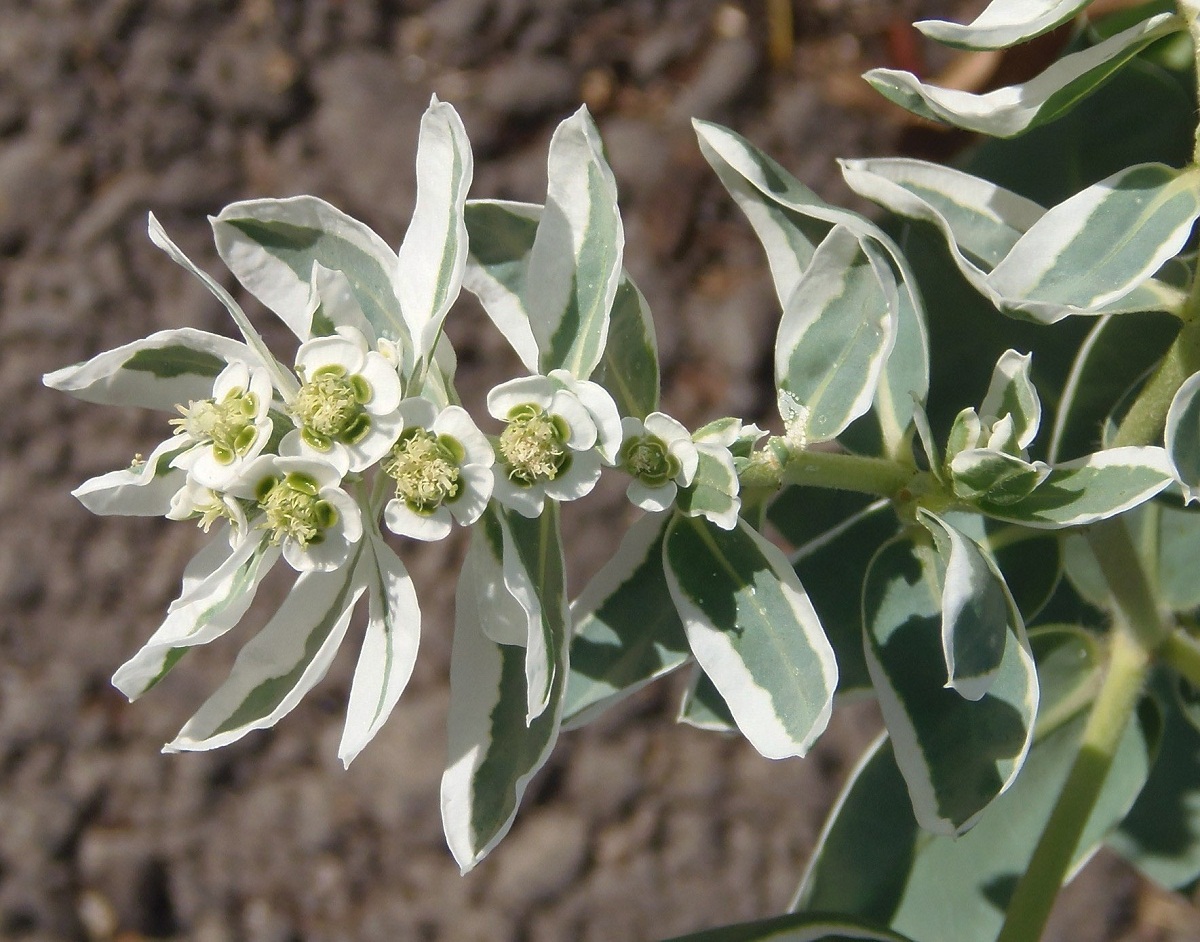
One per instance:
(1182,436)
(280,664)
(1009,111)
(389,648)
(432,257)
(629,369)
(626,632)
(957,755)
(837,330)
(271,245)
(575,262)
(754,632)
(218,586)
(142,490)
(168,368)
(1088,489)
(1004,23)
(797,928)
(493,751)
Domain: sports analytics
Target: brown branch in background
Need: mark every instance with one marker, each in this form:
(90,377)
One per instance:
(781,33)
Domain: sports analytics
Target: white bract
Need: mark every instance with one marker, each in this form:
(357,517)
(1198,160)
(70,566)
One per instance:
(299,503)
(442,468)
(224,433)
(660,455)
(196,501)
(558,431)
(345,409)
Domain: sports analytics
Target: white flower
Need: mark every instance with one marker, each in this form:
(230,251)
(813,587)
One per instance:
(442,468)
(195,501)
(223,434)
(660,455)
(345,409)
(299,502)
(558,430)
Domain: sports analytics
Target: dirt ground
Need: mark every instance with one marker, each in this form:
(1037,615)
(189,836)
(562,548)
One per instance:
(638,828)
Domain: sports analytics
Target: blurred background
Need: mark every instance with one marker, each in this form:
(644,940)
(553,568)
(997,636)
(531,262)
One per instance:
(638,828)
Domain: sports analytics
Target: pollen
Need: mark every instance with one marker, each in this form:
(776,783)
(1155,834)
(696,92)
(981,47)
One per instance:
(293,509)
(533,445)
(227,425)
(425,468)
(330,407)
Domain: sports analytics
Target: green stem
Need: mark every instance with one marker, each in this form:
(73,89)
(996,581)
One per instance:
(1190,11)
(1144,421)
(827,469)
(1125,574)
(1183,653)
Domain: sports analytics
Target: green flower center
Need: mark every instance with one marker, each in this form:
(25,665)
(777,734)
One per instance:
(646,457)
(425,468)
(534,445)
(293,509)
(329,406)
(227,425)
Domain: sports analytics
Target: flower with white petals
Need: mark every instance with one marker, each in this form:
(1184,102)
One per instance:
(223,434)
(442,468)
(195,501)
(298,501)
(660,455)
(558,430)
(345,409)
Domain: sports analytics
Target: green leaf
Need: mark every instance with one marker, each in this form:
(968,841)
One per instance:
(1100,244)
(703,707)
(796,928)
(753,631)
(500,237)
(271,246)
(433,254)
(1088,489)
(979,474)
(1117,354)
(493,750)
(575,262)
(1182,436)
(874,862)
(626,631)
(713,491)
(629,368)
(957,755)
(1175,551)
(280,664)
(218,586)
(837,330)
(1004,23)
(389,648)
(978,614)
(1009,111)
(1012,393)
(1161,834)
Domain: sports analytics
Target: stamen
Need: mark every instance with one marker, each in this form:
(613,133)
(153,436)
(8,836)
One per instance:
(533,445)
(426,469)
(293,509)
(227,425)
(329,406)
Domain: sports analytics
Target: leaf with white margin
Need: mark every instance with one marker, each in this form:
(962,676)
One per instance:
(629,368)
(500,237)
(493,752)
(1011,392)
(1103,242)
(836,332)
(575,262)
(218,586)
(703,707)
(996,476)
(791,221)
(332,304)
(978,614)
(797,928)
(281,663)
(1004,23)
(1014,109)
(956,754)
(141,491)
(501,616)
(389,648)
(534,574)
(713,493)
(434,251)
(1182,436)
(1088,489)
(271,246)
(282,378)
(626,632)
(168,368)
(753,631)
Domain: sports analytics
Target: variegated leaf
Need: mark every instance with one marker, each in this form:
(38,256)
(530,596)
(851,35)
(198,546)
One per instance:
(629,368)
(1012,393)
(142,490)
(1009,111)
(1004,23)
(575,262)
(703,707)
(753,631)
(1182,436)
